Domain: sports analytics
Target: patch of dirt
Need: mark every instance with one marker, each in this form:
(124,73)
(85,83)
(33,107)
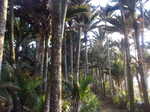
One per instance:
(108,107)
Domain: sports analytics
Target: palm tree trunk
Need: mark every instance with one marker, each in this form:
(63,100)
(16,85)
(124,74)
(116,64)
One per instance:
(129,76)
(100,78)
(12,49)
(127,65)
(59,9)
(86,54)
(47,95)
(104,84)
(39,54)
(109,68)
(45,66)
(71,56)
(125,72)
(65,59)
(139,83)
(142,25)
(142,37)
(76,77)
(17,107)
(78,56)
(3,18)
(140,64)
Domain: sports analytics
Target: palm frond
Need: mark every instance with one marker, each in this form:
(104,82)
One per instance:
(76,10)
(9,85)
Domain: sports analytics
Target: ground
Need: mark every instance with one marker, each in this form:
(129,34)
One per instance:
(107,106)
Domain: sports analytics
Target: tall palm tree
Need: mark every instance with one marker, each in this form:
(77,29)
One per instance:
(127,65)
(140,64)
(3,18)
(90,23)
(12,51)
(77,11)
(127,20)
(58,10)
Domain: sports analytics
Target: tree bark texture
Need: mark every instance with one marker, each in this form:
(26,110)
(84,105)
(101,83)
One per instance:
(59,9)
(3,18)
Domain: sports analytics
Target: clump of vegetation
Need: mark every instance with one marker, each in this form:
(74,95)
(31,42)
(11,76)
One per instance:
(88,101)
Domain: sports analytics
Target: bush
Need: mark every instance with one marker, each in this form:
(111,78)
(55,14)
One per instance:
(88,100)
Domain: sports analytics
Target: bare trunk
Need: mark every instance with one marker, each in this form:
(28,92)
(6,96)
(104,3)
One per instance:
(40,53)
(142,25)
(109,69)
(59,9)
(47,101)
(140,64)
(12,48)
(100,78)
(46,76)
(71,56)
(86,54)
(3,18)
(139,84)
(78,56)
(45,66)
(104,84)
(76,77)
(125,72)
(129,76)
(127,65)
(65,59)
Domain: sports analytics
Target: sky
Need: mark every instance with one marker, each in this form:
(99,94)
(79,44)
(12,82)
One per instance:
(100,2)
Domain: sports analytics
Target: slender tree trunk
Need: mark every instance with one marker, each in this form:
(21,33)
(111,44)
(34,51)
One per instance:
(125,72)
(86,54)
(65,58)
(142,37)
(46,76)
(47,95)
(71,56)
(45,66)
(104,84)
(3,18)
(140,64)
(40,53)
(100,78)
(129,76)
(17,107)
(142,25)
(127,66)
(59,9)
(78,56)
(76,77)
(12,48)
(109,69)
(139,84)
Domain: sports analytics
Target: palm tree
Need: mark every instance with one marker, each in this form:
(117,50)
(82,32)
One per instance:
(58,10)
(3,18)
(140,64)
(142,24)
(127,21)
(77,10)
(89,24)
(12,51)
(127,66)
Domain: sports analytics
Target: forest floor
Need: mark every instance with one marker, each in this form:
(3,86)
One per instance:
(107,106)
